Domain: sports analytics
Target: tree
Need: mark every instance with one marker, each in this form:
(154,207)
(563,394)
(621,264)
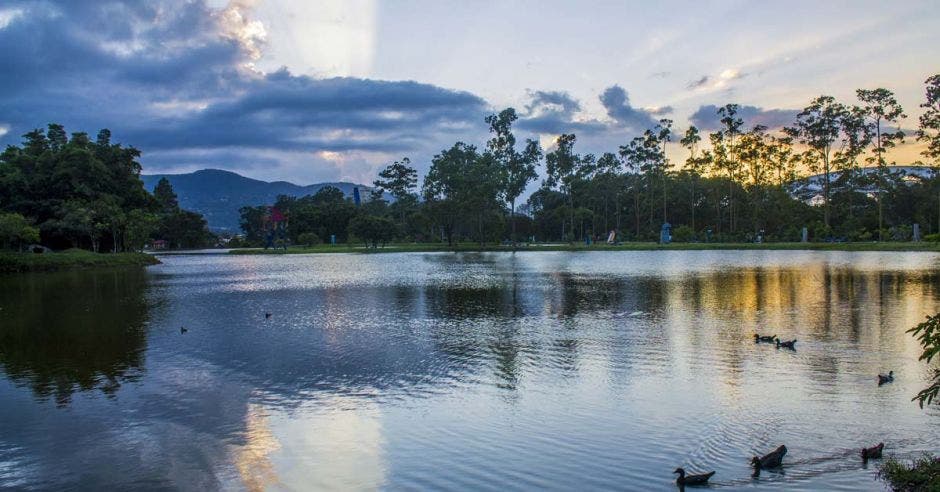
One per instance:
(139,226)
(16,231)
(518,168)
(818,127)
(401,180)
(460,182)
(928,334)
(693,164)
(880,106)
(371,229)
(664,135)
(165,196)
(729,118)
(929,131)
(563,167)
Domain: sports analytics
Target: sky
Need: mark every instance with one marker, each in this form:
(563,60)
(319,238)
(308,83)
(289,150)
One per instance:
(312,91)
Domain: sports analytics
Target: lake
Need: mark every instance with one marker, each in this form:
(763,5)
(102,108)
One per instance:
(443,371)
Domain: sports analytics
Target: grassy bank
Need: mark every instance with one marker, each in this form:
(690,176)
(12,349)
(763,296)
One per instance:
(432,247)
(11,262)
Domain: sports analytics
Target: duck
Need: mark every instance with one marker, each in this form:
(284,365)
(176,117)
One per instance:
(771,460)
(790,344)
(183,330)
(759,338)
(873,452)
(699,479)
(882,378)
(267,315)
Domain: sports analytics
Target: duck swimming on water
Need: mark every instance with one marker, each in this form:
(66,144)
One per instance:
(761,338)
(789,344)
(873,452)
(772,459)
(882,378)
(183,330)
(699,479)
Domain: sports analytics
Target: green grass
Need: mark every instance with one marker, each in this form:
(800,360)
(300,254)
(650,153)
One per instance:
(432,247)
(12,262)
(922,474)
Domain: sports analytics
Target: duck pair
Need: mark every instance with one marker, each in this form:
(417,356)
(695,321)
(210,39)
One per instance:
(771,460)
(886,378)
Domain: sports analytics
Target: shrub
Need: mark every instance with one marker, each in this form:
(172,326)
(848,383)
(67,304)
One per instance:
(922,474)
(308,239)
(683,234)
(15,231)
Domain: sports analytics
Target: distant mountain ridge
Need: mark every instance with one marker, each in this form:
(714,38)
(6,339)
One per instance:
(218,194)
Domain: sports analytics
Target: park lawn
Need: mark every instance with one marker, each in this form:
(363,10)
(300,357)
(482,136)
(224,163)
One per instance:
(632,246)
(14,262)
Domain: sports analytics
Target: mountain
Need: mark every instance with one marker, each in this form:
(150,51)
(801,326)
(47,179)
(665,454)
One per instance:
(218,194)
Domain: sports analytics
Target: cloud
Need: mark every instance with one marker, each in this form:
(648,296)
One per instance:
(697,83)
(617,103)
(553,112)
(706,117)
(659,110)
(174,78)
(720,81)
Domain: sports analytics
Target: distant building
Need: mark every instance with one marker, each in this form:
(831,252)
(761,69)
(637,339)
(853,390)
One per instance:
(810,189)
(159,244)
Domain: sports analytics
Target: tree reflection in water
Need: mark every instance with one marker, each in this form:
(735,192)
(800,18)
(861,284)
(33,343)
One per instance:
(73,331)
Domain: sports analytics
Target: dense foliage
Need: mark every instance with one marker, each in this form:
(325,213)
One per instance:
(87,194)
(922,475)
(928,334)
(829,172)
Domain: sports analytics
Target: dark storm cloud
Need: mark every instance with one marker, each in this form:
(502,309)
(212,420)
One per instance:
(617,103)
(706,117)
(167,76)
(553,112)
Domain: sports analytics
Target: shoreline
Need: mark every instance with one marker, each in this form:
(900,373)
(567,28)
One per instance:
(633,246)
(14,262)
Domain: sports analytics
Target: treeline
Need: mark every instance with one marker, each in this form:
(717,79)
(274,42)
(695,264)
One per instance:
(80,193)
(737,183)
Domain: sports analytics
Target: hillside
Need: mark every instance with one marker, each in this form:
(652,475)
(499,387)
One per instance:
(219,194)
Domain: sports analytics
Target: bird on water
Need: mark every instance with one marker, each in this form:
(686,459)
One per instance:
(697,479)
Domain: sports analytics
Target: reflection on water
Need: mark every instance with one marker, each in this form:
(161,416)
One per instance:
(74,331)
(463,371)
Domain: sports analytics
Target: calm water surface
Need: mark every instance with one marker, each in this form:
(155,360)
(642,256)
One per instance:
(564,371)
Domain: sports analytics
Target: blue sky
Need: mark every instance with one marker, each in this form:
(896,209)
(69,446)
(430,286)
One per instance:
(327,90)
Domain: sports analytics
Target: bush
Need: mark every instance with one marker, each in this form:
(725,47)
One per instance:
(15,231)
(308,239)
(683,234)
(932,238)
(372,230)
(922,474)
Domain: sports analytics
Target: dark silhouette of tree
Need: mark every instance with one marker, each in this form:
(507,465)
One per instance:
(518,168)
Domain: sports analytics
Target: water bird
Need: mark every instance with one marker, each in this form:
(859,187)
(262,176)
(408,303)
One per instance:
(790,344)
(760,338)
(183,330)
(882,378)
(770,460)
(873,452)
(267,315)
(700,479)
